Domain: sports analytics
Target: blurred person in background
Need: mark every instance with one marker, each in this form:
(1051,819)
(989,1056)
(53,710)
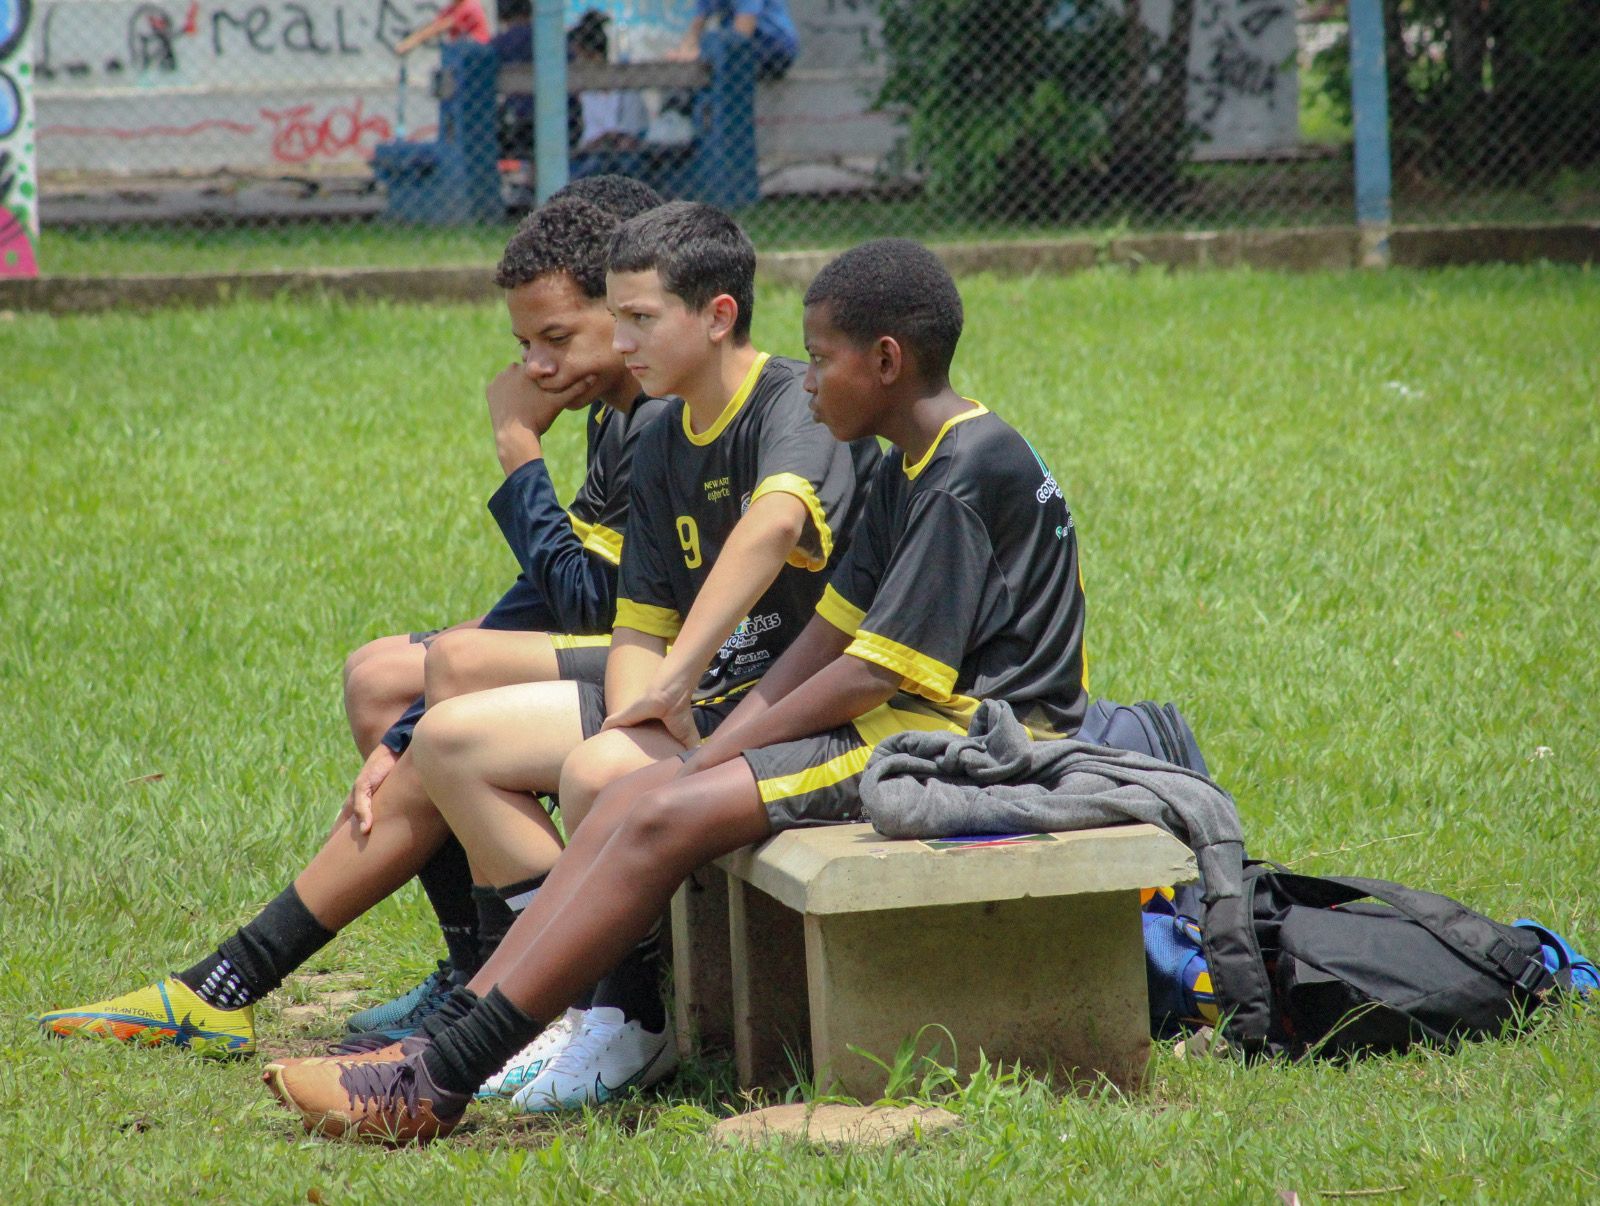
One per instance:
(766,21)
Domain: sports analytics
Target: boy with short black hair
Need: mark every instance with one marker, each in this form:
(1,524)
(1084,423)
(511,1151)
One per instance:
(965,512)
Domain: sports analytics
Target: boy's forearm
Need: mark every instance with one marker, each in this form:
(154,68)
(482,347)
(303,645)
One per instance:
(755,551)
(845,688)
(515,446)
(818,644)
(631,666)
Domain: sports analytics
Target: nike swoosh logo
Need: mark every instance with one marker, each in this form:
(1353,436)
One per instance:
(604,1092)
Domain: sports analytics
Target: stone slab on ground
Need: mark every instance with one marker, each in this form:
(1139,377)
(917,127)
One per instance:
(836,1125)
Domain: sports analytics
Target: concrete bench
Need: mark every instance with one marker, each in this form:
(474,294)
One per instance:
(837,937)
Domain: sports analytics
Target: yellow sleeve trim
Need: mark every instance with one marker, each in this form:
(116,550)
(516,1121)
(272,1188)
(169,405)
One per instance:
(655,621)
(839,611)
(604,543)
(598,539)
(793,483)
(926,676)
(735,404)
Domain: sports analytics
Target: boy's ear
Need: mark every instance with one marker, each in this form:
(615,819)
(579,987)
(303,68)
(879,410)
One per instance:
(724,313)
(890,359)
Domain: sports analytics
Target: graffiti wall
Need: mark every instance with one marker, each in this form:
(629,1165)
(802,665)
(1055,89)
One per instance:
(195,86)
(19,194)
(301,86)
(1244,88)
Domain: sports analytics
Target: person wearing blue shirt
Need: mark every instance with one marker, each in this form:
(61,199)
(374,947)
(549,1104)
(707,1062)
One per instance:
(766,21)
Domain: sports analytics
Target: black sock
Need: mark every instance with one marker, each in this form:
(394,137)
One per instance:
(468,1053)
(634,985)
(498,910)
(249,965)
(457,1005)
(447,880)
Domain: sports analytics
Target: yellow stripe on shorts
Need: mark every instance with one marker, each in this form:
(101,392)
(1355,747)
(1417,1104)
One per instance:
(575,640)
(834,770)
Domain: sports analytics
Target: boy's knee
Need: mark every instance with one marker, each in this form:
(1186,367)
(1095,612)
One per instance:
(374,650)
(444,734)
(592,767)
(660,819)
(452,662)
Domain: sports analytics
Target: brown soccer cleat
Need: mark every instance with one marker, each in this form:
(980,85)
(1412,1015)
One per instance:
(370,1100)
(390,1052)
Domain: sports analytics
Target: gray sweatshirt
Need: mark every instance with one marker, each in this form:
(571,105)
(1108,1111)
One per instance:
(997,780)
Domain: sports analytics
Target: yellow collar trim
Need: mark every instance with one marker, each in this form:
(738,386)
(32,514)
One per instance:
(922,461)
(733,407)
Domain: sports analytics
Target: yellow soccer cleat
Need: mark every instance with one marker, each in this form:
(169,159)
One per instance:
(157,1015)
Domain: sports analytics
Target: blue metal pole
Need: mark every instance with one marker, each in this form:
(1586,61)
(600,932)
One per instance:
(549,97)
(1369,88)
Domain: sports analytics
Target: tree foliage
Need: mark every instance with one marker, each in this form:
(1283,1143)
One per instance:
(1035,108)
(1487,88)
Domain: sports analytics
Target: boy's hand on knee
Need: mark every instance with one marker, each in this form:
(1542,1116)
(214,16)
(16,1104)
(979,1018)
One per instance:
(665,705)
(358,804)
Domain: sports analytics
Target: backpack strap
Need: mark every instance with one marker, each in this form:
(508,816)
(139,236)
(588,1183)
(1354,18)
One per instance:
(1475,938)
(1228,936)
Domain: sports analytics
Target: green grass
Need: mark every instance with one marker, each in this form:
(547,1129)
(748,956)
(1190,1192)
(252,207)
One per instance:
(1348,522)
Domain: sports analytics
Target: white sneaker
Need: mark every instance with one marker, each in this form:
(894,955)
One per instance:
(607,1057)
(525,1065)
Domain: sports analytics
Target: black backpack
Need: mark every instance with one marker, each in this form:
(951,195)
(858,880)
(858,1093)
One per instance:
(1145,728)
(1341,967)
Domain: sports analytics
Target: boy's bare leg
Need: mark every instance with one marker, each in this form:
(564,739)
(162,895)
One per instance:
(486,758)
(582,847)
(465,660)
(605,759)
(644,837)
(354,871)
(381,679)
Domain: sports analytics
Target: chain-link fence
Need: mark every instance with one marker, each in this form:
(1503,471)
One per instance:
(218,133)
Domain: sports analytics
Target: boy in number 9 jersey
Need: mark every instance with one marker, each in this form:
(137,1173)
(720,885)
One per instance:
(962,581)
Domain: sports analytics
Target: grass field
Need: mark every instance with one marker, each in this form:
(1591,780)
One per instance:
(1348,522)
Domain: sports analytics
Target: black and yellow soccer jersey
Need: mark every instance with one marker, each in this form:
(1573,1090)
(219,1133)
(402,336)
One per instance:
(690,489)
(963,579)
(599,510)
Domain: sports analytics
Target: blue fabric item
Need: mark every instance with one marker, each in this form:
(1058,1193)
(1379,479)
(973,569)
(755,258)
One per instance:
(399,1017)
(774,27)
(1176,973)
(1582,976)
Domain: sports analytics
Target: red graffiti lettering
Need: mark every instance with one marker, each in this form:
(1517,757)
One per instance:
(298,135)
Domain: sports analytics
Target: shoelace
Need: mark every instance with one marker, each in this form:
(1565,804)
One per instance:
(385,1085)
(584,1045)
(558,1030)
